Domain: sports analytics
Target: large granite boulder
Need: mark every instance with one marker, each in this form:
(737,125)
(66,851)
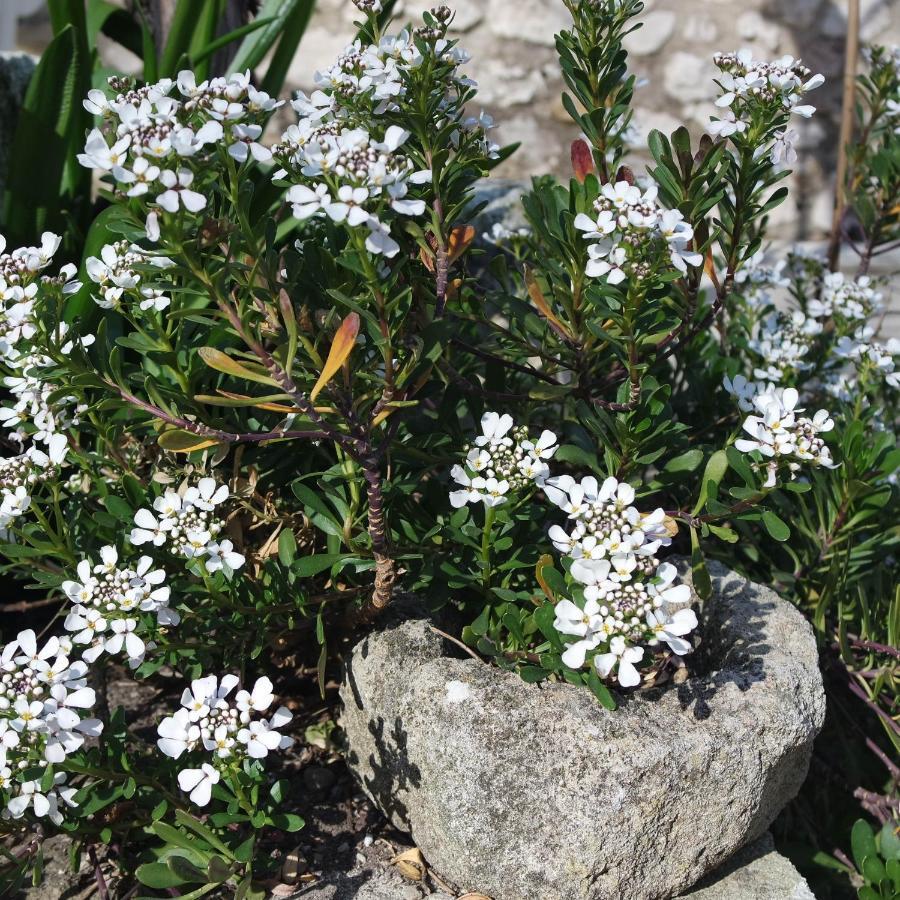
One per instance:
(535,792)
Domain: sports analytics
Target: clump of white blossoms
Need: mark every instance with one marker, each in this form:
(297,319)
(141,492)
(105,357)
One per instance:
(346,159)
(112,606)
(784,340)
(758,96)
(630,598)
(503,462)
(871,358)
(850,299)
(43,700)
(162,141)
(119,272)
(37,411)
(634,237)
(20,474)
(785,438)
(187,523)
(221,735)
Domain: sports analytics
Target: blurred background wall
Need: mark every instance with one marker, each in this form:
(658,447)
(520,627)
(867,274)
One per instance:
(511,42)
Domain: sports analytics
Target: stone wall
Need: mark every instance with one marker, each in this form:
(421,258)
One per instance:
(514,61)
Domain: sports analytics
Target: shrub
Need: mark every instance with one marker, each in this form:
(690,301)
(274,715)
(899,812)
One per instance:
(248,417)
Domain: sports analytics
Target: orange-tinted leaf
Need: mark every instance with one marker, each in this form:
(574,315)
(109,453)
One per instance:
(582,159)
(545,561)
(538,299)
(460,239)
(179,441)
(341,346)
(222,362)
(710,268)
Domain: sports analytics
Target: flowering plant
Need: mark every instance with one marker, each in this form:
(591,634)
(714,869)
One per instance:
(645,382)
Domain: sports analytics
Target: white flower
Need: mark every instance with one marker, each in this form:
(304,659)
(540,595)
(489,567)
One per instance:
(622,658)
(222,556)
(177,734)
(198,783)
(262,736)
(99,155)
(783,148)
(178,192)
(671,629)
(140,176)
(257,700)
(246,143)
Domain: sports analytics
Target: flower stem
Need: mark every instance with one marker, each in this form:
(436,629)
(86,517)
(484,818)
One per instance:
(486,535)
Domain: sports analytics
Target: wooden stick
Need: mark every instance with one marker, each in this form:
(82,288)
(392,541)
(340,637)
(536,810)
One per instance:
(848,113)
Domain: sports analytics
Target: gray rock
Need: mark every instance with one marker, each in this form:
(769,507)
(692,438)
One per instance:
(15,72)
(758,872)
(529,792)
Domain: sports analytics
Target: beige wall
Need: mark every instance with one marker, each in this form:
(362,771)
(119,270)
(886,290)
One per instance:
(511,42)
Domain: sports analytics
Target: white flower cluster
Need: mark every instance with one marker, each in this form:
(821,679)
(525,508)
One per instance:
(221,733)
(634,237)
(784,340)
(21,279)
(759,94)
(630,597)
(156,139)
(35,412)
(109,601)
(187,523)
(32,414)
(782,435)
(871,357)
(850,299)
(117,271)
(43,698)
(345,158)
(504,461)
(353,172)
(19,474)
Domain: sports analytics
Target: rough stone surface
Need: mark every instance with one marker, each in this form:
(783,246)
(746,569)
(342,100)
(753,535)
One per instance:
(530,792)
(15,72)
(757,872)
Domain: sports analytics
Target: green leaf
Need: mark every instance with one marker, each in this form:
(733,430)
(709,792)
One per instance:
(287,821)
(687,462)
(699,572)
(313,565)
(600,690)
(287,547)
(157,875)
(889,841)
(776,527)
(862,842)
(712,476)
(47,181)
(185,870)
(292,32)
(181,32)
(254,47)
(218,871)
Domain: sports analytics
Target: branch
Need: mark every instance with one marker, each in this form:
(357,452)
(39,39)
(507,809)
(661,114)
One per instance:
(226,437)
